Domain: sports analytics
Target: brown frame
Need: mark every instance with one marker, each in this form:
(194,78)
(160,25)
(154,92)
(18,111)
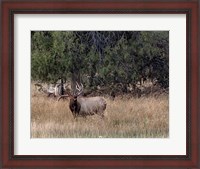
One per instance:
(11,7)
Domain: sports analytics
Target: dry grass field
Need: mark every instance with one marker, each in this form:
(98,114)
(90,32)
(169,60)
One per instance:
(144,117)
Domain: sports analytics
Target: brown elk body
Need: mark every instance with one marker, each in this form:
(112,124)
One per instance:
(86,106)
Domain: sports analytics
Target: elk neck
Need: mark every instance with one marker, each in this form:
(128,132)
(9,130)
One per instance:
(74,105)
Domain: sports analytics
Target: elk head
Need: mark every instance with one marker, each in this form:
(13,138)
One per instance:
(74,105)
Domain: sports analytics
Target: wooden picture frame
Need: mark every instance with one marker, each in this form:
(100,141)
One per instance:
(11,7)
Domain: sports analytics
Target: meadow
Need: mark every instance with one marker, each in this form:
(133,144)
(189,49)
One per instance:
(144,117)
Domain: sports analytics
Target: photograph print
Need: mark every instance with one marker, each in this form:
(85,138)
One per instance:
(99,84)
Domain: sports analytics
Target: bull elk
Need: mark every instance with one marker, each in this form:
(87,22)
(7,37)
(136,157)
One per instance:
(85,106)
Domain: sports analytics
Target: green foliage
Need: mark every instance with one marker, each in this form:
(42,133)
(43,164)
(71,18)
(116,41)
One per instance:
(102,58)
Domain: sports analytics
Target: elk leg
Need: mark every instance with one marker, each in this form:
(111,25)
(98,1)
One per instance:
(74,115)
(102,116)
(49,94)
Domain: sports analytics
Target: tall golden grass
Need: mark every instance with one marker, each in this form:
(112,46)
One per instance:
(145,117)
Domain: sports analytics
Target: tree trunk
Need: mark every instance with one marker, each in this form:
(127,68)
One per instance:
(62,88)
(75,78)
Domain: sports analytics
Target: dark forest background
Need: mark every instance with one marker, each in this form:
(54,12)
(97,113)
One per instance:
(113,60)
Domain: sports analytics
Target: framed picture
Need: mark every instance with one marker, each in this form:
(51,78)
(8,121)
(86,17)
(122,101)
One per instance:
(99,84)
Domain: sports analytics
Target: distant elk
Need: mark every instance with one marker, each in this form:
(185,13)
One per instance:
(56,91)
(85,106)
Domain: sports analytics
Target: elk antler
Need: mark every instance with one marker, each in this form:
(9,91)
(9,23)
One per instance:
(79,88)
(63,96)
